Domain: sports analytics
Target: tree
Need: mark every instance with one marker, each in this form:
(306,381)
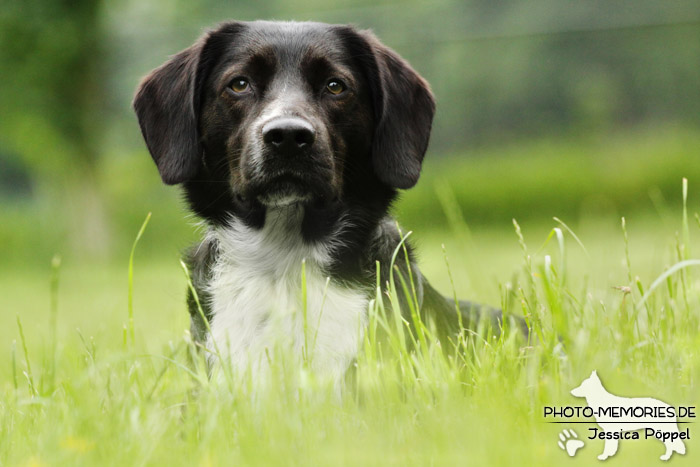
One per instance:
(50,104)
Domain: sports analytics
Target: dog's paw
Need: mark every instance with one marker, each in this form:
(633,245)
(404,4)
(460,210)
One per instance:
(569,442)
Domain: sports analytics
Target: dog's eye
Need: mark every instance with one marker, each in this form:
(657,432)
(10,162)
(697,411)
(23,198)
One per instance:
(239,85)
(335,86)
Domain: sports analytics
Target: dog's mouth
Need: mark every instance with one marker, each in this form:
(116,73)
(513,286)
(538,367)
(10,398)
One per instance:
(283,190)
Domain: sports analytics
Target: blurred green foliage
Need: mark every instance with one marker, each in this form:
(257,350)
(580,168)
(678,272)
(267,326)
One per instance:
(544,108)
(572,178)
(575,179)
(50,55)
(585,110)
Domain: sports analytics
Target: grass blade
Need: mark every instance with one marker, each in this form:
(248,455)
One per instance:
(130,303)
(667,274)
(30,377)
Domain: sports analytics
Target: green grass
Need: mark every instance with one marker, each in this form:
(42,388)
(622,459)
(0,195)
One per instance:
(575,177)
(97,354)
(92,396)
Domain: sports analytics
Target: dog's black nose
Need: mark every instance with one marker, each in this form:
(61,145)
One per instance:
(288,135)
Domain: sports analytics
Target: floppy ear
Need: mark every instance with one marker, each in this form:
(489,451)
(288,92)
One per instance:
(403,107)
(167,106)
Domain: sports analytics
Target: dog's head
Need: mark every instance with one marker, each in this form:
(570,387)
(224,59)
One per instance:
(588,386)
(286,112)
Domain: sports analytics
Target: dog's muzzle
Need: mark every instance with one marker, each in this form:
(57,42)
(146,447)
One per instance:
(288,137)
(294,165)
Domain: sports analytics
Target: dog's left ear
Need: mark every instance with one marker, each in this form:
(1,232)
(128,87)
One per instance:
(167,105)
(403,108)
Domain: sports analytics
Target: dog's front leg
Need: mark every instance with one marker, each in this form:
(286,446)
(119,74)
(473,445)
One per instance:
(609,450)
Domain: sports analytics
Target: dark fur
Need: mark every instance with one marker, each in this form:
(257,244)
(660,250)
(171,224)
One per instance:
(373,143)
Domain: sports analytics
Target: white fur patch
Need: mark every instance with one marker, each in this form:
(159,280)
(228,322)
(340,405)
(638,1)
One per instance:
(257,299)
(275,110)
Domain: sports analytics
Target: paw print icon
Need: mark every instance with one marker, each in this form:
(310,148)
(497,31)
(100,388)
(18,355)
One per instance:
(569,442)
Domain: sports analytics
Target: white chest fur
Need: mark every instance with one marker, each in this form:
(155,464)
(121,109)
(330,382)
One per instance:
(257,299)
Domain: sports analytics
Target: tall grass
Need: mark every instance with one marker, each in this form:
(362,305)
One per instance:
(408,400)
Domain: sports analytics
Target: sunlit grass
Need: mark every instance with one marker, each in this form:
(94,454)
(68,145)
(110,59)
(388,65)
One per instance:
(596,299)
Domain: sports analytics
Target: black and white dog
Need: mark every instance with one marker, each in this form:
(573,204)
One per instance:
(290,141)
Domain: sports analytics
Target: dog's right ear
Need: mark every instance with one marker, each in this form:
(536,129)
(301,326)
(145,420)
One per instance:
(167,105)
(403,108)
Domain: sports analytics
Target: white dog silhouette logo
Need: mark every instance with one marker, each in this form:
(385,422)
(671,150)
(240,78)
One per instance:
(608,407)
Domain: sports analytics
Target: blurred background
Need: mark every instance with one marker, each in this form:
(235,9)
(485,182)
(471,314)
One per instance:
(586,110)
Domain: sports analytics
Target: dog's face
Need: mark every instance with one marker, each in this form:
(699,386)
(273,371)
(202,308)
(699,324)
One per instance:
(286,106)
(282,113)
(588,386)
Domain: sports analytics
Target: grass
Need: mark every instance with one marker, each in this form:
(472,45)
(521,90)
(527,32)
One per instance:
(624,301)
(576,178)
(98,360)
(570,177)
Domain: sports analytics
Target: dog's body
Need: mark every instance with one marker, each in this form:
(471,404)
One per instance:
(291,140)
(253,286)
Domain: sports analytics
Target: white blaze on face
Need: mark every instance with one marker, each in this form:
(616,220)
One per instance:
(255,142)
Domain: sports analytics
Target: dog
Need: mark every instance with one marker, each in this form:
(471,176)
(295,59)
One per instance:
(600,400)
(291,141)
